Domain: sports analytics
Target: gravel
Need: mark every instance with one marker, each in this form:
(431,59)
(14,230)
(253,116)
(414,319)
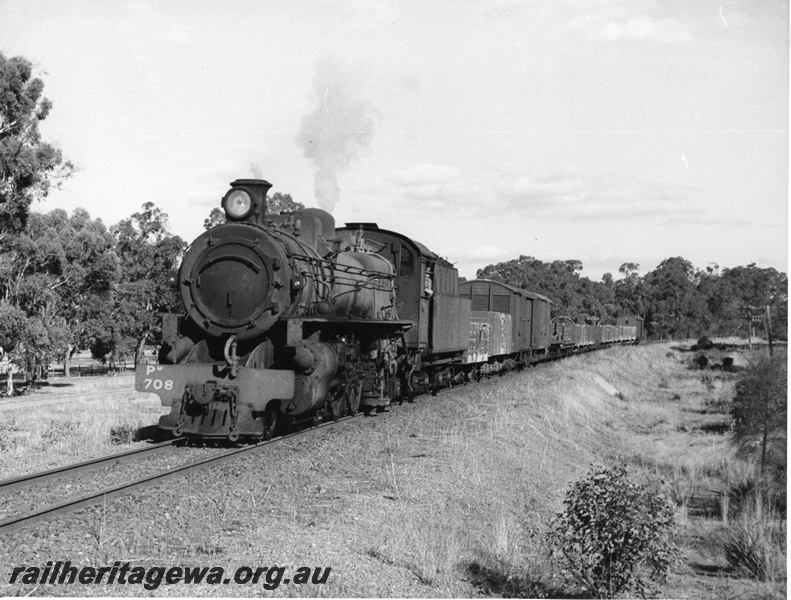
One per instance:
(338,497)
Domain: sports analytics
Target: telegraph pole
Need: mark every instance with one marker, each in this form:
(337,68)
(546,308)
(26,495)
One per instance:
(752,314)
(757,314)
(750,334)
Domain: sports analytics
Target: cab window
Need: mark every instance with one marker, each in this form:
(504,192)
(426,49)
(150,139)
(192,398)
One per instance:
(406,267)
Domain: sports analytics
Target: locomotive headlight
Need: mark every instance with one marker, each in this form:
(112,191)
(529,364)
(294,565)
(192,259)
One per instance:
(237,204)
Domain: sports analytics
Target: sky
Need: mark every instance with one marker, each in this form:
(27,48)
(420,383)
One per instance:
(604,131)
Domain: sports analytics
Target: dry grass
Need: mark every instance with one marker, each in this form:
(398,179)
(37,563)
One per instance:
(457,492)
(475,483)
(473,492)
(44,437)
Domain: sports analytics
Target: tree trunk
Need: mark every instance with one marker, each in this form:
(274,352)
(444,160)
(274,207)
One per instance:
(139,350)
(67,362)
(764,439)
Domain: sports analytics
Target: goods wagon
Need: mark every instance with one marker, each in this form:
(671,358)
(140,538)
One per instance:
(530,312)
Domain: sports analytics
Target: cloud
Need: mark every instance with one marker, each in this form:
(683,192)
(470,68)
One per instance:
(435,186)
(631,21)
(426,174)
(146,18)
(580,196)
(566,194)
(644,27)
(365,14)
(478,254)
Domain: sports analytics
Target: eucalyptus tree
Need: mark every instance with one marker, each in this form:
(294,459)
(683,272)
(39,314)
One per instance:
(149,256)
(56,271)
(29,166)
(673,305)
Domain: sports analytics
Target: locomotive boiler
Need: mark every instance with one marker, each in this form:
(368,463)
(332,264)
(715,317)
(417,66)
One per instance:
(279,323)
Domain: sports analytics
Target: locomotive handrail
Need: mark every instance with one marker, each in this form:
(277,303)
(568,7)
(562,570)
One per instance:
(346,268)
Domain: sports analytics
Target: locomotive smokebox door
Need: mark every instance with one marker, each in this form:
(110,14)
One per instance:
(233,281)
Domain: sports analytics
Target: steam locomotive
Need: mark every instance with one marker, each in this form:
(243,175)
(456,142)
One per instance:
(288,319)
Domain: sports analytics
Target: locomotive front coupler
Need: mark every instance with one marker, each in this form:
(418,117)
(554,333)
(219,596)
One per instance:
(198,400)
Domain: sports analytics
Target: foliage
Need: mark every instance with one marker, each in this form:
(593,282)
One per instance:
(279,203)
(675,299)
(672,304)
(629,291)
(28,165)
(39,342)
(574,296)
(612,531)
(216,217)
(745,286)
(701,361)
(56,272)
(12,326)
(759,412)
(754,547)
(149,257)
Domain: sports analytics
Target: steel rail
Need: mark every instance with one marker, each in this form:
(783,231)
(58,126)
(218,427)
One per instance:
(91,498)
(15,483)
(101,495)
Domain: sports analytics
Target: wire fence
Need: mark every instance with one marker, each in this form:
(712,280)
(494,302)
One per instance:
(90,370)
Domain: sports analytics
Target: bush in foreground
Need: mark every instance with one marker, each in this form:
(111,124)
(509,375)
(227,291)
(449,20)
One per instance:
(614,534)
(760,414)
(754,547)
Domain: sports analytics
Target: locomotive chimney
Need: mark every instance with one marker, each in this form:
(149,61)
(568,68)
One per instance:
(258,189)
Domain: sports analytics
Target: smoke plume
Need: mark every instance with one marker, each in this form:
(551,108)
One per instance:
(341,125)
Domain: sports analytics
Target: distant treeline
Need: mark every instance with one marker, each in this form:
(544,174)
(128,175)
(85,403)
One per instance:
(675,299)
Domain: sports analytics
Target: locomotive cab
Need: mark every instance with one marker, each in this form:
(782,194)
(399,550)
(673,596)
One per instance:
(426,289)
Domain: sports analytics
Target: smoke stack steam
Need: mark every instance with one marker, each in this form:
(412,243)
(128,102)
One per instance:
(341,125)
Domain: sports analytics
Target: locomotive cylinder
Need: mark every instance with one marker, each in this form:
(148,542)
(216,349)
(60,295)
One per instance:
(319,363)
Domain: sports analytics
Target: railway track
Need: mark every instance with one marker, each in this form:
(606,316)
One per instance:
(23,481)
(102,494)
(95,497)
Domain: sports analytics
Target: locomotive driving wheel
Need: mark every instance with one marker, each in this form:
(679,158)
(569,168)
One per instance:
(354,393)
(335,401)
(270,422)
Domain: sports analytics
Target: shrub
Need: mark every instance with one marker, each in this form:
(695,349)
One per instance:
(754,548)
(614,534)
(756,495)
(759,411)
(701,361)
